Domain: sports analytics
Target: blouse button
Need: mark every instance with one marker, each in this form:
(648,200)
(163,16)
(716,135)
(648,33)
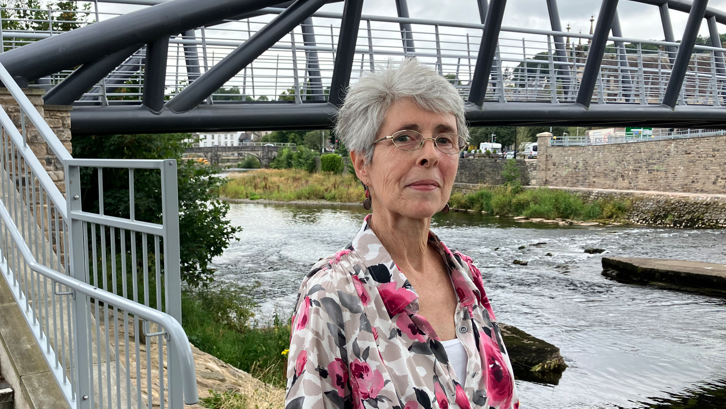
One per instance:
(463,329)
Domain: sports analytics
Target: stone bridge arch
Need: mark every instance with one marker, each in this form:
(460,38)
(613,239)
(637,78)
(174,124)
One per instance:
(264,152)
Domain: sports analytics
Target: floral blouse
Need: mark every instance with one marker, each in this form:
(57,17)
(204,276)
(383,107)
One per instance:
(358,341)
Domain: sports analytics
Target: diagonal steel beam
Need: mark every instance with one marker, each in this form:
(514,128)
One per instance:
(86,77)
(597,50)
(191,57)
(406,30)
(87,44)
(685,50)
(155,74)
(346,51)
(685,6)
(625,82)
(716,42)
(665,17)
(313,63)
(238,59)
(487,50)
(561,57)
(483,7)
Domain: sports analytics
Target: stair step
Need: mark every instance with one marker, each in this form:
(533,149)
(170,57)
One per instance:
(6,395)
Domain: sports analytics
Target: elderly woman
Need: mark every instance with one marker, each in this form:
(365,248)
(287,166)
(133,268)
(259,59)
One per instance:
(396,319)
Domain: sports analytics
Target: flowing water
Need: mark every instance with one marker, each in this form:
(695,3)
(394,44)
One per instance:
(626,346)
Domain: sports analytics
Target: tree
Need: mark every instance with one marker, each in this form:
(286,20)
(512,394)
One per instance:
(31,15)
(529,69)
(204,232)
(504,135)
(228,94)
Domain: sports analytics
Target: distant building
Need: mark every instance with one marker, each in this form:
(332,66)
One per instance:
(209,139)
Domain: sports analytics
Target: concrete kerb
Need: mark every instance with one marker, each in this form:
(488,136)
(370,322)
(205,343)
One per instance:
(21,360)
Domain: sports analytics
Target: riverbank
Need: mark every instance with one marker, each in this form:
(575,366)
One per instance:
(291,186)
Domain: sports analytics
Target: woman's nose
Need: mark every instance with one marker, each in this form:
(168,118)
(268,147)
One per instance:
(429,153)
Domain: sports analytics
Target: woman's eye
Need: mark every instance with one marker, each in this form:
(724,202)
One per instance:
(402,138)
(442,140)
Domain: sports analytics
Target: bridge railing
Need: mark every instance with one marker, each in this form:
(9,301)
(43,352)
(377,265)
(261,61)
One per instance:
(100,290)
(627,137)
(530,65)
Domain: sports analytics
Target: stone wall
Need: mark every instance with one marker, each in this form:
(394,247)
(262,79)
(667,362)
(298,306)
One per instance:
(488,171)
(664,209)
(693,165)
(59,120)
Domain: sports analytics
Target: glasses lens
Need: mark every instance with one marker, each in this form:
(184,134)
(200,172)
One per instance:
(407,140)
(449,143)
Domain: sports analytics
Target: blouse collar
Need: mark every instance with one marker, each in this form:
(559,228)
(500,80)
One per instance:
(392,283)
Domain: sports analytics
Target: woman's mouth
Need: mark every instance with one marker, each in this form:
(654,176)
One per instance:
(424,185)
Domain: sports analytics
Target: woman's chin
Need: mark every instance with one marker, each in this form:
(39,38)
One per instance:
(422,210)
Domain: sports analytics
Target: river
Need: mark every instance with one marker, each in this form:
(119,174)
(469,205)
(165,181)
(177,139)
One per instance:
(626,346)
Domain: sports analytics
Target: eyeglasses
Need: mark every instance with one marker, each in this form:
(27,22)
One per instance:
(409,140)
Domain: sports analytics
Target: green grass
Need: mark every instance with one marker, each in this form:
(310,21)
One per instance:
(543,202)
(219,320)
(293,184)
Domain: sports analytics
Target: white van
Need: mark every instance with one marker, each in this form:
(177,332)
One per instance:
(530,150)
(495,148)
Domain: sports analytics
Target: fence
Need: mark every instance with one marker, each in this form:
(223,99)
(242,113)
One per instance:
(530,65)
(76,273)
(627,137)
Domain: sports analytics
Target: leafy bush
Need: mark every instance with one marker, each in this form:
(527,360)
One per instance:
(204,230)
(300,158)
(510,173)
(219,320)
(513,200)
(331,162)
(250,162)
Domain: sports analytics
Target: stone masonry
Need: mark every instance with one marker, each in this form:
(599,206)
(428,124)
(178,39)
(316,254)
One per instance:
(488,171)
(59,120)
(693,165)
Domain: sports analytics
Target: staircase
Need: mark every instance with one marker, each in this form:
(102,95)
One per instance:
(90,303)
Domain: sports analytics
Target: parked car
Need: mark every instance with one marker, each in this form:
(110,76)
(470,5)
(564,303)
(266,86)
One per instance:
(509,155)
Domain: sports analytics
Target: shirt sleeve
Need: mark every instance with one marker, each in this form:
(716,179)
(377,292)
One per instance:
(317,373)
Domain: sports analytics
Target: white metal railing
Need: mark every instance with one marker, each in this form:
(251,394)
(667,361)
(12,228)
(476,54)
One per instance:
(627,137)
(526,67)
(100,291)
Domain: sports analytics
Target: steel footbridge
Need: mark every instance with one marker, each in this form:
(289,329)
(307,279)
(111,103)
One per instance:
(185,65)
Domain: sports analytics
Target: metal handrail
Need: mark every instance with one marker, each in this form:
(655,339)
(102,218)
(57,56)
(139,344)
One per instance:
(51,189)
(174,329)
(53,142)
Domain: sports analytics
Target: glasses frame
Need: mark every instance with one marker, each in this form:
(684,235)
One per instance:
(423,140)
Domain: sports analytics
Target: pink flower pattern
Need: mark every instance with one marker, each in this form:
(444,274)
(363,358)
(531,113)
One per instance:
(356,325)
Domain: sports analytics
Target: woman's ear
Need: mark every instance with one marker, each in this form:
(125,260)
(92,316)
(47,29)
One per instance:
(359,164)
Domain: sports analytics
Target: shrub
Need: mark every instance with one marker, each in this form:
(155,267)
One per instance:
(331,162)
(250,162)
(300,158)
(510,173)
(219,321)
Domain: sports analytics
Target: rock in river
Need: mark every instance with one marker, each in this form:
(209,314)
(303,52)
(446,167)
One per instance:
(692,276)
(532,358)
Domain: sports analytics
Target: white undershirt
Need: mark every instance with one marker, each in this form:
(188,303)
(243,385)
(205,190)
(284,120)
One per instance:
(457,358)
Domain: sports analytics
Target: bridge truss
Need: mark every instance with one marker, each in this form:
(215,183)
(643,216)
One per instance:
(189,65)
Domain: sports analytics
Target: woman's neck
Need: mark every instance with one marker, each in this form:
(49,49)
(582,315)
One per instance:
(405,239)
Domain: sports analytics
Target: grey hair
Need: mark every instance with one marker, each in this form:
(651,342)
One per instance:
(362,114)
